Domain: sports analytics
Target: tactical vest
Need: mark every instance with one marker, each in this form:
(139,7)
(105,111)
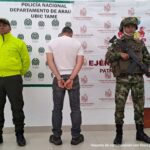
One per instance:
(121,66)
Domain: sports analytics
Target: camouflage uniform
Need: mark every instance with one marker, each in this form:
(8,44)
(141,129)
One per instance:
(123,85)
(124,81)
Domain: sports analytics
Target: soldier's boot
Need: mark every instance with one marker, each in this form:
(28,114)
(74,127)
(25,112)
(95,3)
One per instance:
(140,135)
(20,139)
(119,132)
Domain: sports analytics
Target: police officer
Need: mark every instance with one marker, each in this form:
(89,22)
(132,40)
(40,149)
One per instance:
(14,62)
(120,62)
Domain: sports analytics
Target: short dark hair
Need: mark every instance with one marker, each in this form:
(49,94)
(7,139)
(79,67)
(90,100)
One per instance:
(4,21)
(67,29)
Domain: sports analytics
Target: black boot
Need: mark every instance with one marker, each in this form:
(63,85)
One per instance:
(1,136)
(77,140)
(1,139)
(140,135)
(55,140)
(21,141)
(118,138)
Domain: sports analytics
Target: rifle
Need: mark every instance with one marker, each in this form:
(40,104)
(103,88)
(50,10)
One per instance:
(134,59)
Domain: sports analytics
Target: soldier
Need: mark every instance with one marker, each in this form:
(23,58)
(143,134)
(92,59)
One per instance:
(129,71)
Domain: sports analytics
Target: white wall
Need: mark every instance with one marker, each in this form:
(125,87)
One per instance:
(38,107)
(38,101)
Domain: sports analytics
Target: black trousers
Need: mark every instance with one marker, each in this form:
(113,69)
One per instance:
(12,87)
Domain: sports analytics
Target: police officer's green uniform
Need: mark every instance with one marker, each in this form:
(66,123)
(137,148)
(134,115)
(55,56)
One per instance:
(126,82)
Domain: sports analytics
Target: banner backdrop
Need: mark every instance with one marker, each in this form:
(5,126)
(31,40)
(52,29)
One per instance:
(94,23)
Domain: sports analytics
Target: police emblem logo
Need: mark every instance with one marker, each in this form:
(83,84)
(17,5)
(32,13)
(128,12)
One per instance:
(41,23)
(55,23)
(34,36)
(28,75)
(13,23)
(20,36)
(35,62)
(27,22)
(68,24)
(41,50)
(47,37)
(46,64)
(29,47)
(40,75)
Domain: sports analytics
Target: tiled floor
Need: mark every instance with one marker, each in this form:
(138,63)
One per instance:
(94,140)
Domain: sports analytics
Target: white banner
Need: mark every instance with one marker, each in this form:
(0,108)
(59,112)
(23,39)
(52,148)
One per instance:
(94,23)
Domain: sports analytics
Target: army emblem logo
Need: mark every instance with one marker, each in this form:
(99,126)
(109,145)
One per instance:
(84,98)
(83,29)
(106,40)
(85,62)
(108,93)
(84,79)
(108,75)
(107,25)
(83,12)
(131,12)
(107,7)
(84,44)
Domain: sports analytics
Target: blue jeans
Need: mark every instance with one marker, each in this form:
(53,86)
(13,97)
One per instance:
(58,100)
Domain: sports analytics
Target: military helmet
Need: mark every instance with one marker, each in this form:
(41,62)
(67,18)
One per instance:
(129,21)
